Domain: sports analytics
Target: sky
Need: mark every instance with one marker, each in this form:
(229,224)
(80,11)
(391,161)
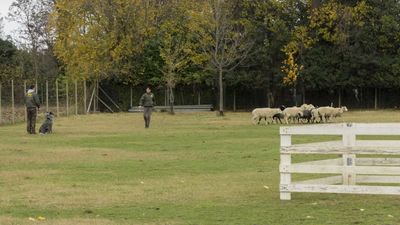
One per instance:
(8,26)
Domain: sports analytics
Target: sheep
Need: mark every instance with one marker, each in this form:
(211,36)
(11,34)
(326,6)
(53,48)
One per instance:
(327,112)
(315,115)
(307,112)
(277,117)
(307,115)
(264,113)
(307,107)
(292,113)
(337,112)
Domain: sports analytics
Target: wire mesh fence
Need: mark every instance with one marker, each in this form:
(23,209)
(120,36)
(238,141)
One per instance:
(62,97)
(70,97)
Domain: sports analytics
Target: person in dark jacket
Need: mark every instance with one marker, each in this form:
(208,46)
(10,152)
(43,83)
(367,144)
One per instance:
(147,101)
(32,104)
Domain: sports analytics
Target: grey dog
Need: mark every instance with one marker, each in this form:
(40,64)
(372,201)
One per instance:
(47,126)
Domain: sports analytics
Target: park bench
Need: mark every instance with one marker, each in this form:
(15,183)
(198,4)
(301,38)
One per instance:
(377,165)
(177,108)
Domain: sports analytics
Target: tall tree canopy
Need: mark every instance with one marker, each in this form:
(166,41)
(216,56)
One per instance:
(268,45)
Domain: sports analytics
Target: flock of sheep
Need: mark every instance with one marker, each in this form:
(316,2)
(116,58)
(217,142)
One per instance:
(305,113)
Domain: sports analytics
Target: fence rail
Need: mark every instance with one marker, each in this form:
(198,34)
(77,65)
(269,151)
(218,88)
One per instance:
(353,171)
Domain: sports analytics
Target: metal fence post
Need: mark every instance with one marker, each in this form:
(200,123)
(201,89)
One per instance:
(84,95)
(58,109)
(76,97)
(12,101)
(131,97)
(67,98)
(25,113)
(47,95)
(1,119)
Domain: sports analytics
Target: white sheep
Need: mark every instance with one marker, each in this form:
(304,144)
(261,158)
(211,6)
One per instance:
(307,107)
(337,112)
(315,115)
(264,113)
(292,113)
(326,113)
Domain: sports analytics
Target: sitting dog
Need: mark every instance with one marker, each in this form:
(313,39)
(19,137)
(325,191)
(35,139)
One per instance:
(47,126)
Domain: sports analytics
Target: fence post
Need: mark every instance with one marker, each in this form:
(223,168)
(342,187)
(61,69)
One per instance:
(234,100)
(286,160)
(47,95)
(12,101)
(131,97)
(1,119)
(58,109)
(67,98)
(349,139)
(198,98)
(84,96)
(76,97)
(96,97)
(25,113)
(165,97)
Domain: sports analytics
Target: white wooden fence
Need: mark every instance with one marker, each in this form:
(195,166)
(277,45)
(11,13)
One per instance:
(352,171)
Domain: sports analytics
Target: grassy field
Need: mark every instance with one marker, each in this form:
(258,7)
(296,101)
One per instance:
(186,169)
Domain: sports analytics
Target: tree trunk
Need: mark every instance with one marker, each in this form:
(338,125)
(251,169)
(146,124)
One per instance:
(221,94)
(35,64)
(340,97)
(171,100)
(376,99)
(294,96)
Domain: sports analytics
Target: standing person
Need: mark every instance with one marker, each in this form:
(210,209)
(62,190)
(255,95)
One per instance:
(32,104)
(147,101)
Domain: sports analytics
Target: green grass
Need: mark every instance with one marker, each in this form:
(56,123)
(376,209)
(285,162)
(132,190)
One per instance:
(186,169)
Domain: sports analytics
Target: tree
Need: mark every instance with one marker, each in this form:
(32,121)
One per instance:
(8,60)
(226,42)
(101,39)
(33,16)
(178,47)
(1,26)
(273,22)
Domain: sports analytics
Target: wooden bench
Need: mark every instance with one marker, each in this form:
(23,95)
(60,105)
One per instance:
(177,108)
(352,171)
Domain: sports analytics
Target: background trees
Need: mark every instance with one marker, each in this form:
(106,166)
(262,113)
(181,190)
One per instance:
(276,48)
